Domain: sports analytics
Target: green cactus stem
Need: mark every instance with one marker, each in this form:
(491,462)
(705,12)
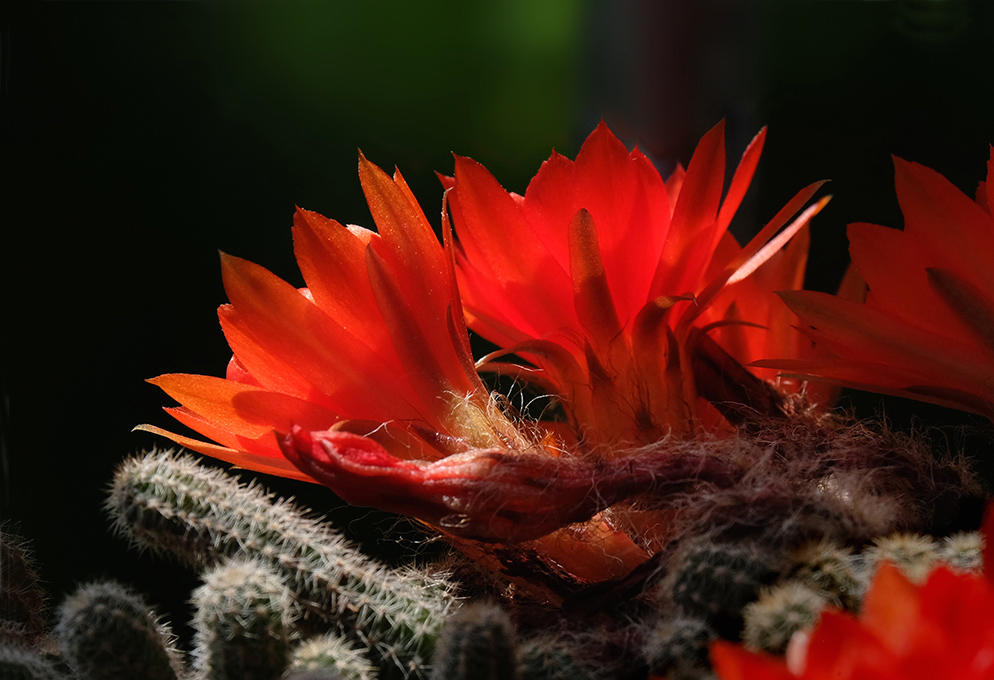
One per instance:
(169,503)
(23,663)
(243,621)
(677,641)
(550,659)
(714,581)
(477,643)
(108,632)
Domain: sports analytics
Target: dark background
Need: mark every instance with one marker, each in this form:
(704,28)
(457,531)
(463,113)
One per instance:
(141,137)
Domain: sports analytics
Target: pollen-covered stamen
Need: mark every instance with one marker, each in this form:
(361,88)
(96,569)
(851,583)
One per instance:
(490,494)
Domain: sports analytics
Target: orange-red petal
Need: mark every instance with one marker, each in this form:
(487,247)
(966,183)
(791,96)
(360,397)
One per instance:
(628,201)
(332,259)
(893,264)
(242,409)
(732,662)
(741,180)
(692,235)
(891,608)
(861,333)
(279,467)
(952,224)
(347,375)
(488,219)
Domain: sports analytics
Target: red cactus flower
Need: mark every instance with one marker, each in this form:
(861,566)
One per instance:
(375,337)
(372,361)
(611,271)
(942,629)
(926,329)
(364,380)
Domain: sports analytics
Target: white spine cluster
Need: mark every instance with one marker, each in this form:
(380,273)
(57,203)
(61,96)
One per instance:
(914,554)
(963,551)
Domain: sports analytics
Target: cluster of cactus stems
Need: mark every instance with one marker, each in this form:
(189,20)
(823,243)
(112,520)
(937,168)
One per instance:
(284,595)
(301,568)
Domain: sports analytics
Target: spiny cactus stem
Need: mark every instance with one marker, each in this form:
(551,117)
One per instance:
(107,631)
(168,502)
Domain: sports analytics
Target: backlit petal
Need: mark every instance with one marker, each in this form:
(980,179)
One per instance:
(242,409)
(332,259)
(694,219)
(487,219)
(628,201)
(741,180)
(869,335)
(278,466)
(948,220)
(290,327)
(732,662)
(902,286)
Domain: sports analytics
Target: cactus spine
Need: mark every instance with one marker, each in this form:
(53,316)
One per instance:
(107,632)
(169,503)
(831,570)
(552,660)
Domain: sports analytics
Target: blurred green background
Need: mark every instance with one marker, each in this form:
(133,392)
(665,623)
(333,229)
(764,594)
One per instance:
(141,137)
